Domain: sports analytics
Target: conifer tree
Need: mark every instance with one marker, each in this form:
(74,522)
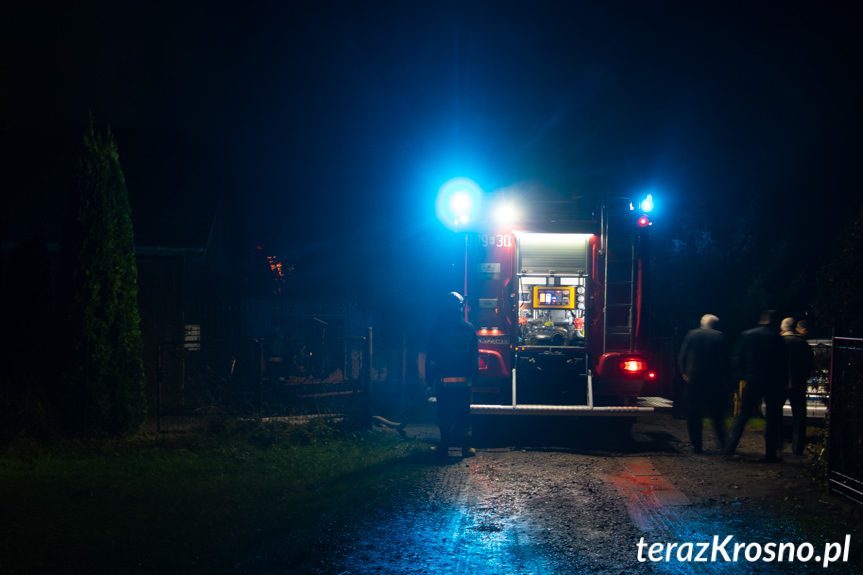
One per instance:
(104,374)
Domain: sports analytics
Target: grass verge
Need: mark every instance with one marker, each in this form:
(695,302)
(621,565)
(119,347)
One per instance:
(189,503)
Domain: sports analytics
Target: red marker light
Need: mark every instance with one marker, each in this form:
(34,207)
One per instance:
(492,331)
(482,363)
(643,222)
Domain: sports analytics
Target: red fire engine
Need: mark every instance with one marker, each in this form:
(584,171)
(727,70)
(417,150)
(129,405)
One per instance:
(558,299)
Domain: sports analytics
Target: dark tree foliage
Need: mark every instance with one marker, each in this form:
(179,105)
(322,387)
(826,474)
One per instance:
(733,275)
(104,373)
(840,285)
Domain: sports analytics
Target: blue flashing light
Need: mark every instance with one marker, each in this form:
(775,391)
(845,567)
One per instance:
(458,202)
(646,204)
(461,206)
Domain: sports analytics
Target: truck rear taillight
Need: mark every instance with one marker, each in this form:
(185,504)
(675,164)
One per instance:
(628,365)
(633,365)
(483,364)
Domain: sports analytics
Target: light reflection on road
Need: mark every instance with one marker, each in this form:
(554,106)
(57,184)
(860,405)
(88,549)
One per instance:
(463,526)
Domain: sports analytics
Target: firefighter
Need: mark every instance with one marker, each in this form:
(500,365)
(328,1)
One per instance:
(453,362)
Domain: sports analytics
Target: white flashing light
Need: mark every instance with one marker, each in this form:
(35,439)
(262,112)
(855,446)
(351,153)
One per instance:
(505,214)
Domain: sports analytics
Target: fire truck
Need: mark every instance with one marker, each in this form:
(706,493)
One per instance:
(559,299)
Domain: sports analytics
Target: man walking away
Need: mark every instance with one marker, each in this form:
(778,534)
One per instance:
(762,363)
(800,358)
(453,362)
(704,363)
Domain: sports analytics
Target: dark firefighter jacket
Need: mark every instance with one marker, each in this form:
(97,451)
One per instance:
(453,350)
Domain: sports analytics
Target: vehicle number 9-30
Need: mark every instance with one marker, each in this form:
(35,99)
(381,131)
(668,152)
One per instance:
(496,240)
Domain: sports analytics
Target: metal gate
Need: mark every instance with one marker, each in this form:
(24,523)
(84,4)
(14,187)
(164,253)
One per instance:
(292,379)
(845,424)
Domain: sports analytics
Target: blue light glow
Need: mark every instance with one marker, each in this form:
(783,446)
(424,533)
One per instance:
(646,204)
(458,202)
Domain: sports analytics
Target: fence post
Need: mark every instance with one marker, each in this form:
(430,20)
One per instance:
(259,376)
(366,407)
(403,375)
(159,388)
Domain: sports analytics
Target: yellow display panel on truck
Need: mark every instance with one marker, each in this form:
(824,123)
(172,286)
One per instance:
(558,297)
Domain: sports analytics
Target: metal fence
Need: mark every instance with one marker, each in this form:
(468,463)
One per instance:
(845,426)
(291,379)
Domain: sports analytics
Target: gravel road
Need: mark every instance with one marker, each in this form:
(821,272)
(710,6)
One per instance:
(535,507)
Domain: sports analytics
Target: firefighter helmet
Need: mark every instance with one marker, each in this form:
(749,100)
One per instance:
(454,301)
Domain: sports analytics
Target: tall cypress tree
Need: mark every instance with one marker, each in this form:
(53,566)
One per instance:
(104,375)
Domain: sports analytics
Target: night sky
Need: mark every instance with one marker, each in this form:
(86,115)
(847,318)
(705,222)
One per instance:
(338,121)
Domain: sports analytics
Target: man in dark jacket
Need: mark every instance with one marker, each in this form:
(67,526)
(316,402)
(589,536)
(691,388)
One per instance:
(704,364)
(762,362)
(800,358)
(453,362)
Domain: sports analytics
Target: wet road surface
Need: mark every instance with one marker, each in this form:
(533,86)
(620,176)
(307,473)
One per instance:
(538,509)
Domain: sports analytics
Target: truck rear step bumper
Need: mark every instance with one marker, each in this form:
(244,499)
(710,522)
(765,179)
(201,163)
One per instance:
(580,410)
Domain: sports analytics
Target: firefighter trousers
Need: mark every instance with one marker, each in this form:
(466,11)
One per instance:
(453,415)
